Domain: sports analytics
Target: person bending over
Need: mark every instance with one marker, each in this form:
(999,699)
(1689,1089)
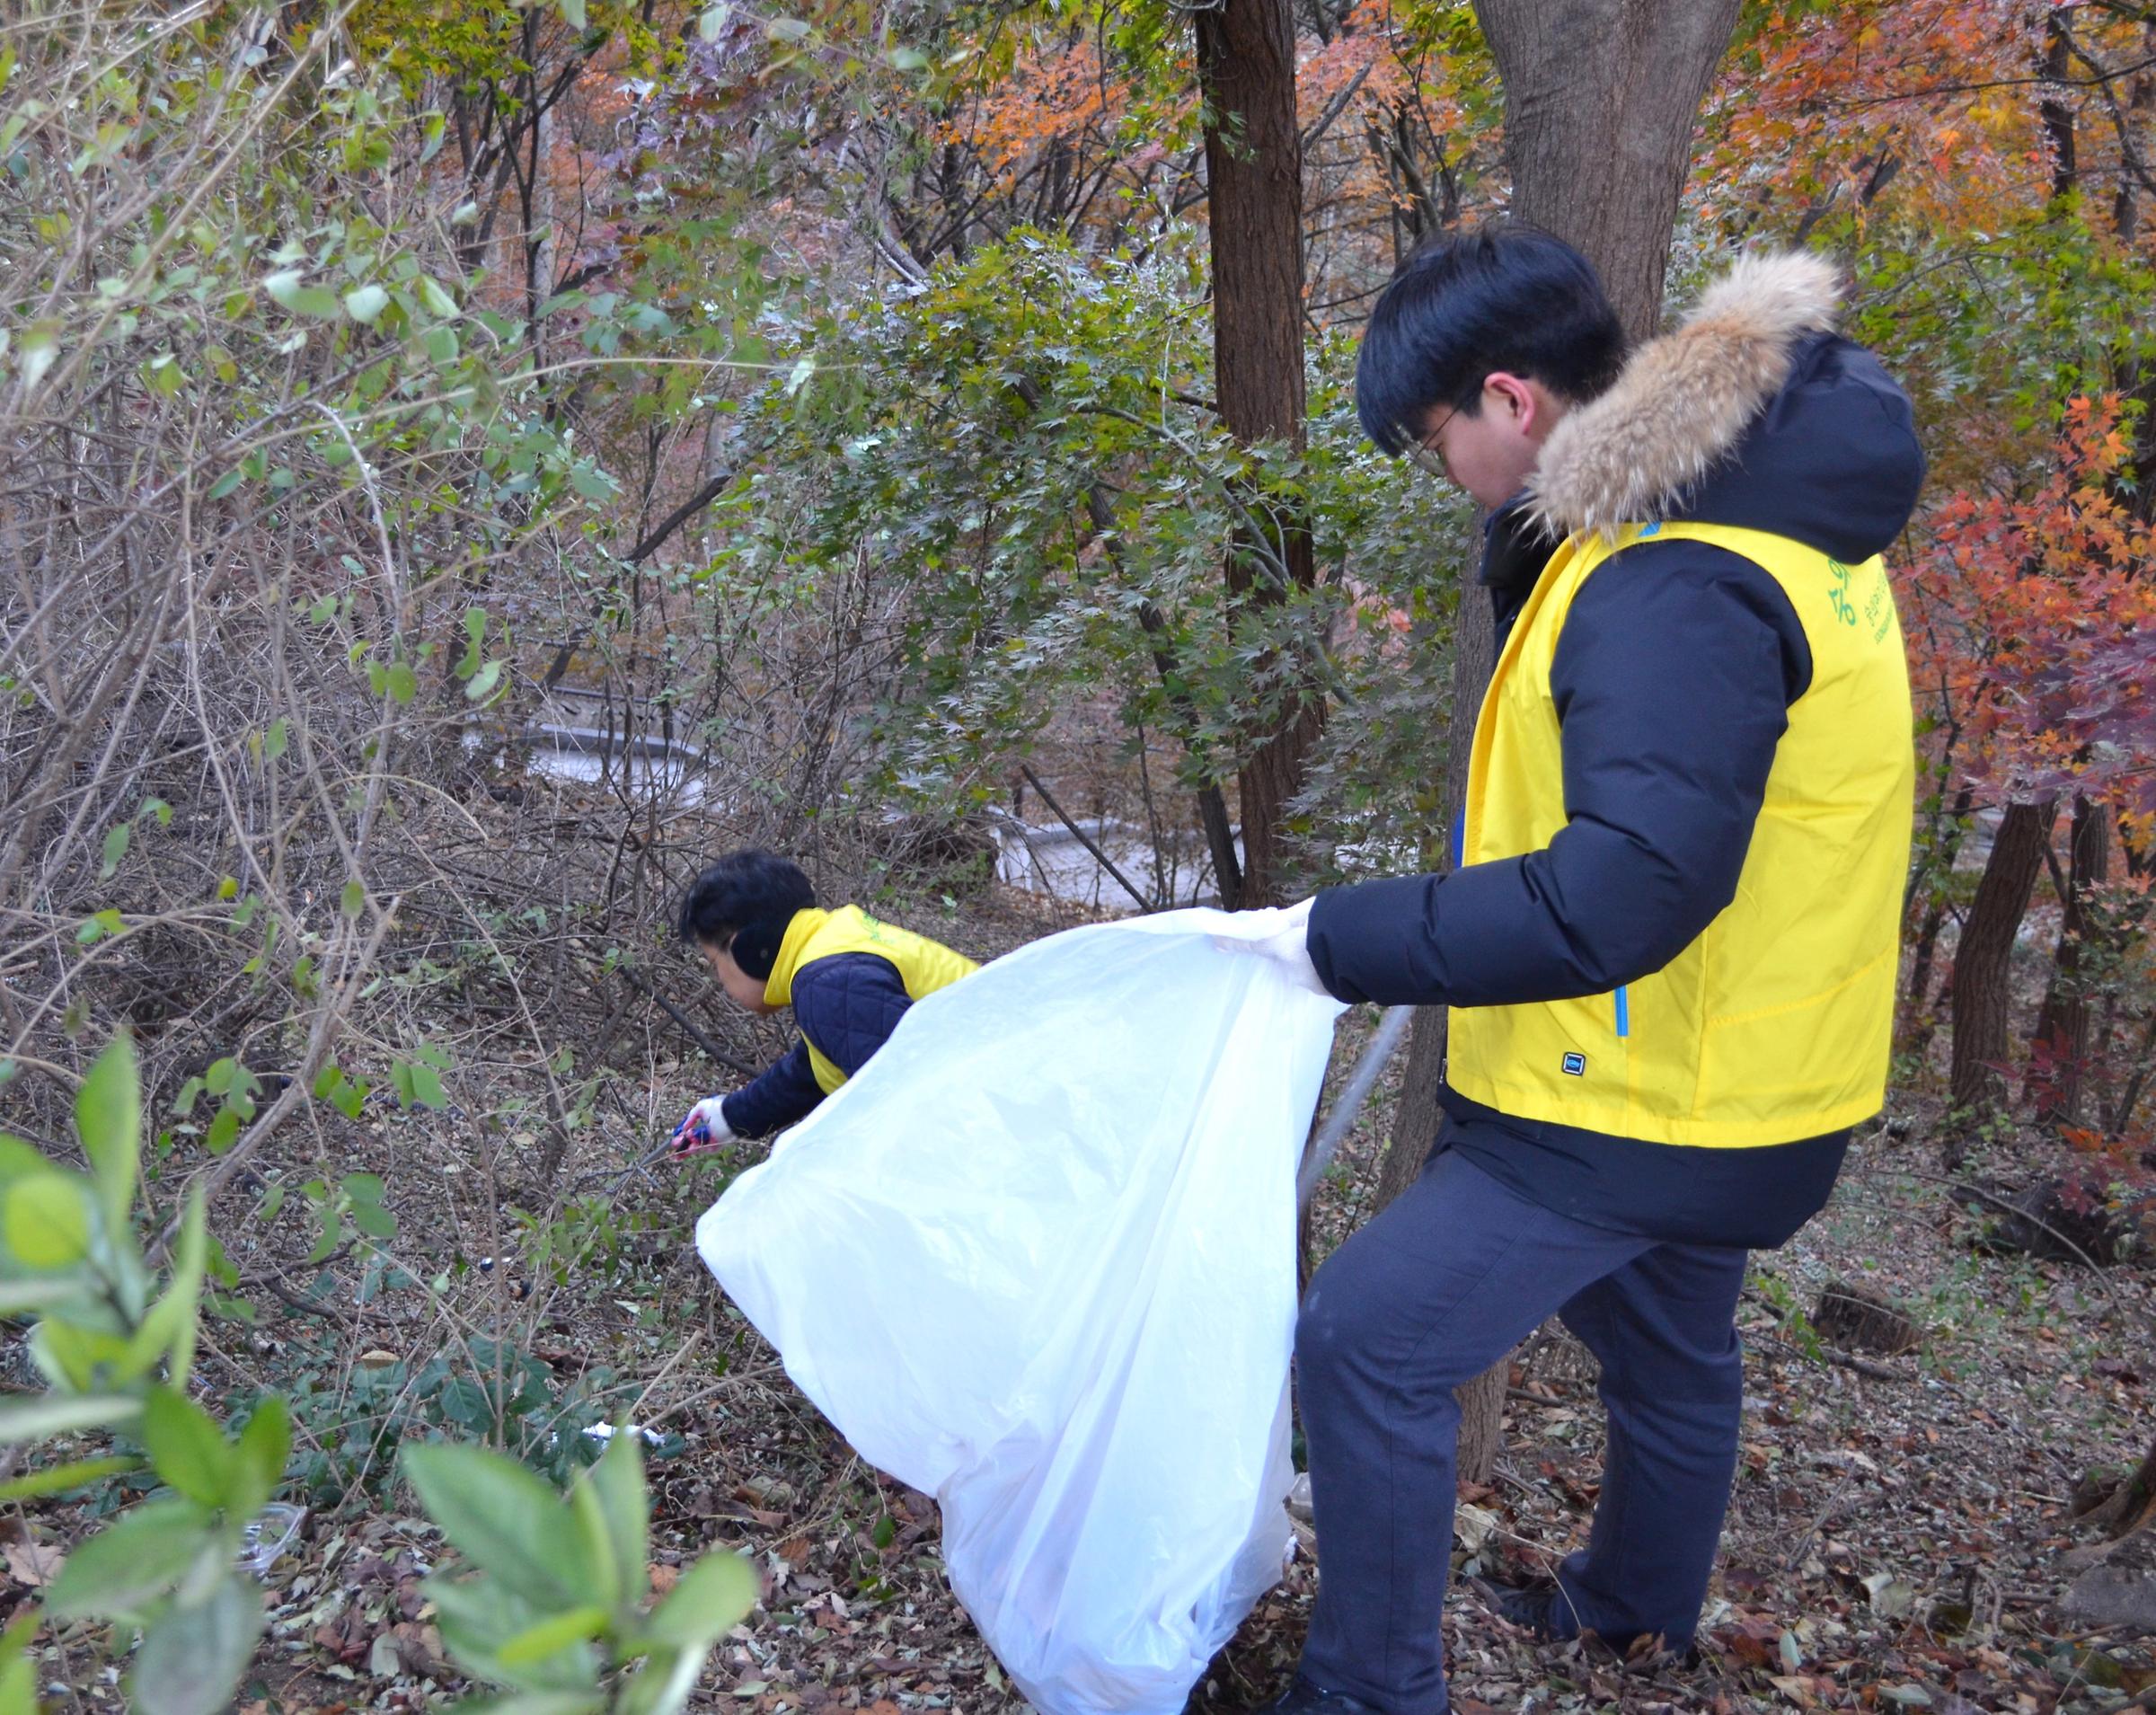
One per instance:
(848,977)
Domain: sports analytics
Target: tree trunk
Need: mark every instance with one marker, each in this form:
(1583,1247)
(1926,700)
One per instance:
(1246,73)
(2061,1043)
(1601,100)
(2054,111)
(1982,964)
(1919,1019)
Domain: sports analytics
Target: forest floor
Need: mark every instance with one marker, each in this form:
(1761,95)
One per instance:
(1896,1535)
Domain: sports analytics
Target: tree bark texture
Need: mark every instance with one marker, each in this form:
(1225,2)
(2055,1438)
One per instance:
(1246,72)
(2060,1042)
(1983,961)
(1601,100)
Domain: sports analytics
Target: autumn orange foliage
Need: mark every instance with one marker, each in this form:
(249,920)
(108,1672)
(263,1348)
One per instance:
(2032,625)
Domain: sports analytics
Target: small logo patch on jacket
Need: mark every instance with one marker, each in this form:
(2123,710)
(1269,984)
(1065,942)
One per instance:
(1576,1065)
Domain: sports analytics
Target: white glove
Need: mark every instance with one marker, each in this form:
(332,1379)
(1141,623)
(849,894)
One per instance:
(1285,940)
(705,1127)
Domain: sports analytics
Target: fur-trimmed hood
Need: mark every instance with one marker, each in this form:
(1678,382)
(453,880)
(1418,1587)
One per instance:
(1753,412)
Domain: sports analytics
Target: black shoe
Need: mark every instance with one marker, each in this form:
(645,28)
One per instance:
(1304,1698)
(1539,1609)
(1545,1613)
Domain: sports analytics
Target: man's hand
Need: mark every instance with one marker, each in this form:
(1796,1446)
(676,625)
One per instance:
(703,1130)
(1284,941)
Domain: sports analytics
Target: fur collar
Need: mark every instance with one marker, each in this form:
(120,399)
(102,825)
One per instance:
(1683,399)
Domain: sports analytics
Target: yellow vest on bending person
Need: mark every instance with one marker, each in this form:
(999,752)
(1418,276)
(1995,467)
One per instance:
(1775,1023)
(924,965)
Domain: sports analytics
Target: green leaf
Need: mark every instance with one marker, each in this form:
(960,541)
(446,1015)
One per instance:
(187,1447)
(403,684)
(420,1084)
(40,349)
(364,1187)
(259,1455)
(713,1596)
(221,1131)
(20,1160)
(44,1221)
(531,1702)
(275,736)
(30,1297)
(375,1220)
(300,299)
(477,1617)
(191,1659)
(108,1118)
(551,1636)
(365,303)
(225,483)
(711,23)
(122,1569)
(623,1509)
(663,1682)
(18,1671)
(572,13)
(592,482)
(117,838)
(169,1330)
(355,898)
(95,927)
(501,1518)
(482,682)
(53,1479)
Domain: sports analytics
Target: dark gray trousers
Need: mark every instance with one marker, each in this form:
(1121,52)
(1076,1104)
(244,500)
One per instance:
(1433,1292)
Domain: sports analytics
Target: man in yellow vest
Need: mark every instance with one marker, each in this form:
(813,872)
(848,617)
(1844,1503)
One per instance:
(848,977)
(1669,944)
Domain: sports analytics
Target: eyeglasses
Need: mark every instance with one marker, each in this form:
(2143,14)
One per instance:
(1425,455)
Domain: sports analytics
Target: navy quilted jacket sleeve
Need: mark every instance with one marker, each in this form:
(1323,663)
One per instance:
(783,1092)
(848,1005)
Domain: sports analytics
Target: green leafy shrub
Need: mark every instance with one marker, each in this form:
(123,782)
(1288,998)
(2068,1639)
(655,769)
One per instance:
(115,1340)
(551,1599)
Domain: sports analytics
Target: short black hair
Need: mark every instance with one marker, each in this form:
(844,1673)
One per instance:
(1502,296)
(745,889)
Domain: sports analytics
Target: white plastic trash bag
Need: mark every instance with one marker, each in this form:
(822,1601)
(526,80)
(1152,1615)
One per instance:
(1039,1261)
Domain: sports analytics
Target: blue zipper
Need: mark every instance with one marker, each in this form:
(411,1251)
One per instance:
(1624,1011)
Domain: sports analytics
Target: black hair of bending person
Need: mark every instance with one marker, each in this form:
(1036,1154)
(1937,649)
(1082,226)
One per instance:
(741,889)
(1500,298)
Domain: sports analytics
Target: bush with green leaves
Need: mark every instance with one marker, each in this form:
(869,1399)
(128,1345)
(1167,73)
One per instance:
(552,1597)
(115,1340)
(355,1417)
(555,1606)
(1021,447)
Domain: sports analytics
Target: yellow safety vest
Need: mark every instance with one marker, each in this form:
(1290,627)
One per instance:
(1775,1023)
(924,965)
